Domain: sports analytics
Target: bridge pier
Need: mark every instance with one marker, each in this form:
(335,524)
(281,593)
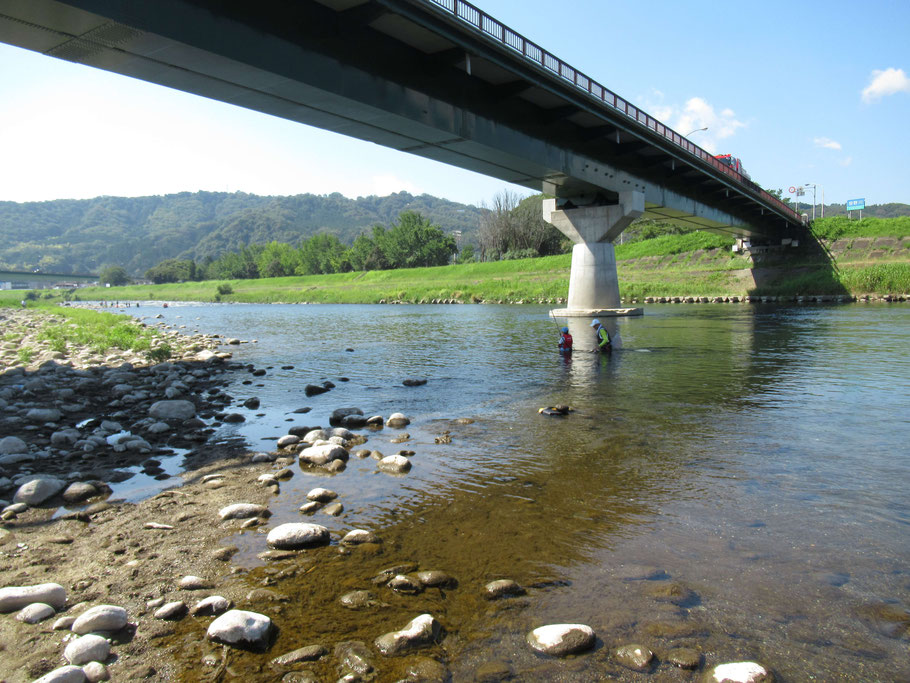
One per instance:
(593,282)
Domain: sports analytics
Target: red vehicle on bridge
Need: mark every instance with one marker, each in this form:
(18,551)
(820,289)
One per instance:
(734,163)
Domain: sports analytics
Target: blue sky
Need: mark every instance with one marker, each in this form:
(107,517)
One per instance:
(813,92)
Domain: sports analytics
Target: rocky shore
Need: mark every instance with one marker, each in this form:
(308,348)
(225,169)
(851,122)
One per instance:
(93,587)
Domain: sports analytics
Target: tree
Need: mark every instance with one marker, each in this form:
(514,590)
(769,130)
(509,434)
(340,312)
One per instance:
(466,255)
(516,226)
(114,275)
(414,241)
(322,253)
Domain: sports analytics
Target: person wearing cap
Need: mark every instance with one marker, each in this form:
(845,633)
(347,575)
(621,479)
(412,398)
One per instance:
(603,337)
(565,341)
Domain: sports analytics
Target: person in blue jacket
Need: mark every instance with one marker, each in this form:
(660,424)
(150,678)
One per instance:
(603,337)
(565,340)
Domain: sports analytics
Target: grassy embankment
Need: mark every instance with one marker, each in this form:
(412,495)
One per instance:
(63,329)
(871,256)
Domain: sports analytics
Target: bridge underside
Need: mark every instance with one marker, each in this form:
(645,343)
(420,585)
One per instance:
(403,74)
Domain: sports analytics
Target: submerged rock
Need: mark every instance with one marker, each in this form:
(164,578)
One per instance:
(635,657)
(740,672)
(420,631)
(503,588)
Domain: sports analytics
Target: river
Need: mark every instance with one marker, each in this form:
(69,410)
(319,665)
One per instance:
(734,479)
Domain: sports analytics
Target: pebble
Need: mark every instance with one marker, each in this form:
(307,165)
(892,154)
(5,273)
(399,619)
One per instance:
(88,648)
(307,653)
(36,612)
(558,640)
(310,508)
(635,657)
(14,598)
(224,553)
(357,536)
(420,631)
(333,509)
(297,535)
(194,583)
(96,671)
(358,600)
(436,579)
(397,420)
(100,618)
(683,657)
(241,629)
(63,624)
(171,611)
(405,584)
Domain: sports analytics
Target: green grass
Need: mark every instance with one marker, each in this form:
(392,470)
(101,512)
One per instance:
(841,227)
(95,329)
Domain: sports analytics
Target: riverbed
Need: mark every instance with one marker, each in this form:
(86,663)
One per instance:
(733,479)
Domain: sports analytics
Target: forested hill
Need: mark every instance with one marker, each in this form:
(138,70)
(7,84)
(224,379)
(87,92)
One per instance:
(86,235)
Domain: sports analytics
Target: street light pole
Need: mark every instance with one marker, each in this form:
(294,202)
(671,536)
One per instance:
(812,185)
(696,130)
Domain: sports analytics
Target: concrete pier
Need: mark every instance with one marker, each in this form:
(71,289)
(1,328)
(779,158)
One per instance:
(593,282)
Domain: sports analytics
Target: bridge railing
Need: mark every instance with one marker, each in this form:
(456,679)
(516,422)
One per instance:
(483,22)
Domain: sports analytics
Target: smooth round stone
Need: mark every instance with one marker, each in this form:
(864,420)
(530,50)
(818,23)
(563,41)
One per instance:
(558,640)
(635,657)
(100,618)
(394,464)
(405,584)
(14,598)
(322,454)
(88,648)
(357,536)
(740,672)
(241,629)
(243,511)
(397,420)
(435,579)
(171,611)
(63,623)
(333,509)
(38,490)
(78,492)
(194,583)
(297,535)
(172,410)
(503,588)
(311,507)
(683,657)
(357,599)
(287,440)
(321,495)
(308,653)
(211,606)
(36,612)
(315,435)
(96,671)
(65,674)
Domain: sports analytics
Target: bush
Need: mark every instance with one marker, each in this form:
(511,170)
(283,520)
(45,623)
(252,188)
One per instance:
(225,289)
(159,354)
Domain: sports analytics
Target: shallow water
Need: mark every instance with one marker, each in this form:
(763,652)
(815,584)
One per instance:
(755,458)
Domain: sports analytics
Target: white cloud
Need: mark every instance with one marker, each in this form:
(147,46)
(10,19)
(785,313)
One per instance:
(887,82)
(698,113)
(827,143)
(846,161)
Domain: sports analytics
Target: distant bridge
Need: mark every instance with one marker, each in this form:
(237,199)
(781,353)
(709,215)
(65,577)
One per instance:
(436,78)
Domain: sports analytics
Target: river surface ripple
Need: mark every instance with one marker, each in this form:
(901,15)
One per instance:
(734,479)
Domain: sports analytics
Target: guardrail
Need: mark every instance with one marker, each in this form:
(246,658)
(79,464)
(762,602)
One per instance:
(488,26)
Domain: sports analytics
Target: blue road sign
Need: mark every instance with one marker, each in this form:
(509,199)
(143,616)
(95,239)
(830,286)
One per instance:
(856,204)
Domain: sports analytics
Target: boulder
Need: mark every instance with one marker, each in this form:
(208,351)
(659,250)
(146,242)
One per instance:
(322,454)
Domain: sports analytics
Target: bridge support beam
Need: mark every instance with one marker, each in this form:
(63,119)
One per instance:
(593,282)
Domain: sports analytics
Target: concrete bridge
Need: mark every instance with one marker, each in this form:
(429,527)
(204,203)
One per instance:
(436,78)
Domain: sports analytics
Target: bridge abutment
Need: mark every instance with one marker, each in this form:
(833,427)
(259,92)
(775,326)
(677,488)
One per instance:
(593,282)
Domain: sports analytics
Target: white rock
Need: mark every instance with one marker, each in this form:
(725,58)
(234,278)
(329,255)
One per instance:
(241,629)
(396,464)
(320,455)
(100,618)
(322,495)
(194,583)
(358,536)
(12,444)
(561,639)
(172,410)
(37,611)
(345,434)
(65,674)
(316,435)
(297,535)
(243,511)
(96,671)
(422,630)
(38,490)
(739,672)
(171,610)
(211,606)
(397,420)
(288,440)
(89,648)
(15,598)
